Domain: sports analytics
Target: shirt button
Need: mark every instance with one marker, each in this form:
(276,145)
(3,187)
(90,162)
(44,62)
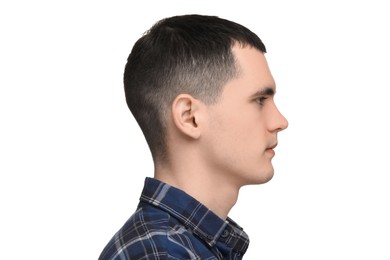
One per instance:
(225,233)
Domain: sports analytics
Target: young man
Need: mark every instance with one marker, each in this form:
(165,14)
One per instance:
(201,91)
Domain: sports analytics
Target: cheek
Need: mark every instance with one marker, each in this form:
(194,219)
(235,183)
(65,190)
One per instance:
(240,131)
(239,137)
(250,129)
(222,139)
(241,127)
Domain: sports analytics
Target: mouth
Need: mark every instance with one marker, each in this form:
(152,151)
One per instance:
(270,149)
(272,146)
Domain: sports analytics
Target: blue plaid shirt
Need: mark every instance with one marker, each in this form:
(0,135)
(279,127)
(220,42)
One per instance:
(170,224)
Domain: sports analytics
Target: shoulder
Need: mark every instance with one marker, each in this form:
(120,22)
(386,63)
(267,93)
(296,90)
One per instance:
(151,233)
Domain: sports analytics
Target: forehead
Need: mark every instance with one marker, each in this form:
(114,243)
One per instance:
(254,72)
(254,79)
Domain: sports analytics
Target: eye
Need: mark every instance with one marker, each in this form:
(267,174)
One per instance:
(260,100)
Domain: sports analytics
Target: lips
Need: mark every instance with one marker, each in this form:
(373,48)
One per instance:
(272,147)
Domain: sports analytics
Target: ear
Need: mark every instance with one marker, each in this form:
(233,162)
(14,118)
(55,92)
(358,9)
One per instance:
(186,112)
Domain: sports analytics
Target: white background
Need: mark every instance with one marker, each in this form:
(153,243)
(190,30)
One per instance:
(73,160)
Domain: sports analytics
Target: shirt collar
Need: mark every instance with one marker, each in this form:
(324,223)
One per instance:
(194,215)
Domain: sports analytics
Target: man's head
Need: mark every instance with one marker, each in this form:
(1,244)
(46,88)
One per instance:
(189,54)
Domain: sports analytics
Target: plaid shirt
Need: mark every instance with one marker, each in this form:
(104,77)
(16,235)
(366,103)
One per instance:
(170,224)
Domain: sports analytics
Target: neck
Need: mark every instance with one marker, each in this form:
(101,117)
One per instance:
(209,188)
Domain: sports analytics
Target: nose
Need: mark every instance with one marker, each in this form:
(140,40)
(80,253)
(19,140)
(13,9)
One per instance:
(277,121)
(283,123)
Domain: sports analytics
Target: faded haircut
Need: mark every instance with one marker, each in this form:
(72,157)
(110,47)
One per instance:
(189,54)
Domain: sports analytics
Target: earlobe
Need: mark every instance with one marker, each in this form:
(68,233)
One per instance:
(185,112)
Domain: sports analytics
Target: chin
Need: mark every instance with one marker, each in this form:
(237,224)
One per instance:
(260,178)
(268,178)
(266,175)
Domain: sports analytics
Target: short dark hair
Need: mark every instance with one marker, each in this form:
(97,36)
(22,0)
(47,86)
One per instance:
(189,54)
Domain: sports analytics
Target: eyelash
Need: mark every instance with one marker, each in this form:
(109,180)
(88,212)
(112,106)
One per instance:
(260,100)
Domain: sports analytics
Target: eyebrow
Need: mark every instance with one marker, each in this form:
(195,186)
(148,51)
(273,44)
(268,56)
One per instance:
(268,91)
